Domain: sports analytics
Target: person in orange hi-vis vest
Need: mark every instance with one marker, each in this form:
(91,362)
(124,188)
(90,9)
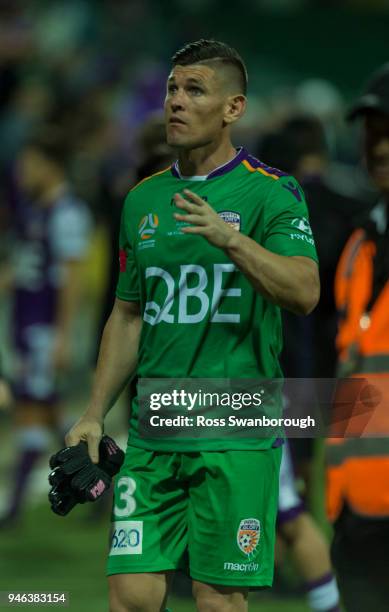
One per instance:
(357,489)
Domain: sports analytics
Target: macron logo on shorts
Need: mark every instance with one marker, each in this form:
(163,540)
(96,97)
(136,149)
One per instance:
(241,567)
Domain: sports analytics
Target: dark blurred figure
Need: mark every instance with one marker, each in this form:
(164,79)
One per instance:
(300,148)
(50,237)
(305,542)
(153,155)
(358,467)
(5,393)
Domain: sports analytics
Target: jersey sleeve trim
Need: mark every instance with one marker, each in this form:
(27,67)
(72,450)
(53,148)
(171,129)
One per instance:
(261,170)
(128,296)
(306,254)
(147,178)
(252,164)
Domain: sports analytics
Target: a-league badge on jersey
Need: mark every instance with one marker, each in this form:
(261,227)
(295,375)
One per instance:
(249,533)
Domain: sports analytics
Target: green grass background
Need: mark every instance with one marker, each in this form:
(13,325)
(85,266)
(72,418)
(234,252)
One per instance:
(50,553)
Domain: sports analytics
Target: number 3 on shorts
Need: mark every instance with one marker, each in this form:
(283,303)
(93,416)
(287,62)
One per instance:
(125,489)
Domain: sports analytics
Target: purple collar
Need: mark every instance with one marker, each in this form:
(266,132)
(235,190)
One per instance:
(241,154)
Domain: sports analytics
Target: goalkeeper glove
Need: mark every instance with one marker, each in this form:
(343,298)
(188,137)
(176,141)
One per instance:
(75,479)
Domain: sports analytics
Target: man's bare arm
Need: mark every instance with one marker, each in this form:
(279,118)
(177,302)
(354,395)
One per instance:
(116,363)
(290,282)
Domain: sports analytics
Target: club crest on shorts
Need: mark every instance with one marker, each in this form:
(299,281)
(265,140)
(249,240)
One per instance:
(231,218)
(249,532)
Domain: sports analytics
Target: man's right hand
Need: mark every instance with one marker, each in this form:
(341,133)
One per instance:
(87,429)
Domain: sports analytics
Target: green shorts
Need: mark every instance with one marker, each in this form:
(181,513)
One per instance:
(210,513)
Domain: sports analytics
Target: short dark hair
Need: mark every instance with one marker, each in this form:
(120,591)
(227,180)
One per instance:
(206,51)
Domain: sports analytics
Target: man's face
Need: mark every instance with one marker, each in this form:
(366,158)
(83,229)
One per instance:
(377,149)
(195,106)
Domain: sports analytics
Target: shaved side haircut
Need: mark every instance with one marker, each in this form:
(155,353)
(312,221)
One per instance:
(213,53)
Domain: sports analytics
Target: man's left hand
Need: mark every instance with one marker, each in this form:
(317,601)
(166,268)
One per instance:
(205,221)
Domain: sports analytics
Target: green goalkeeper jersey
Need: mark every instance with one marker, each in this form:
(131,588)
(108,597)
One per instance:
(201,316)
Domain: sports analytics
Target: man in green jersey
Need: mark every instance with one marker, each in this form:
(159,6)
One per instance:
(210,249)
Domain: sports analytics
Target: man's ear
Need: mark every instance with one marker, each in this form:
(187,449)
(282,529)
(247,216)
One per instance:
(234,108)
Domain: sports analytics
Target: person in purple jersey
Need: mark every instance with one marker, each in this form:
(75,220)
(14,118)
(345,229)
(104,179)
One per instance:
(51,235)
(305,542)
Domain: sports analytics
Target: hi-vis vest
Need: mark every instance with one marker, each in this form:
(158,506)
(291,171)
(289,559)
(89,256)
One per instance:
(358,466)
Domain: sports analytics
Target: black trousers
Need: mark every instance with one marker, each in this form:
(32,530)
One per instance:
(360,555)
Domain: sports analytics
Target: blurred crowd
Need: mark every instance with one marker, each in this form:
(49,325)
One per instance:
(72,70)
(68,71)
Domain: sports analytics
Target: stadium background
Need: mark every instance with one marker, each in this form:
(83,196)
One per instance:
(96,70)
